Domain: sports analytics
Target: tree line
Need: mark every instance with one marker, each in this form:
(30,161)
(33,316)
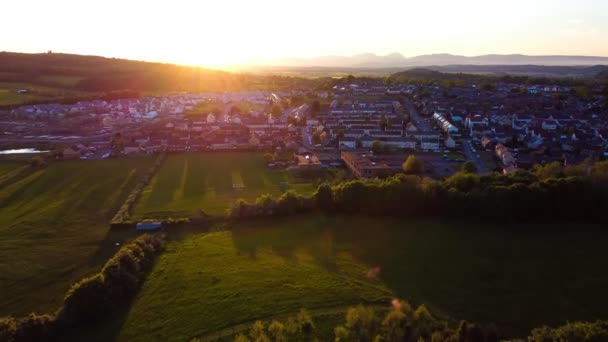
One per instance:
(404,323)
(91,298)
(546,193)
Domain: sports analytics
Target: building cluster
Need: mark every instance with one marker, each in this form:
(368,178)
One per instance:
(147,125)
(540,123)
(520,125)
(354,124)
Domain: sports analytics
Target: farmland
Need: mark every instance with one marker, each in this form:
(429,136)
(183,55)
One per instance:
(207,282)
(219,282)
(9,95)
(54,227)
(187,183)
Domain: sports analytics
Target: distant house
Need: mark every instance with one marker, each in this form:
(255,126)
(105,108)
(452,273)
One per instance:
(308,162)
(132,148)
(450,142)
(429,144)
(348,143)
(71,153)
(148,226)
(411,128)
(549,125)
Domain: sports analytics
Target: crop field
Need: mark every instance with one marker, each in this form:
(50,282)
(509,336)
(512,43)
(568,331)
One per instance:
(216,284)
(54,227)
(188,183)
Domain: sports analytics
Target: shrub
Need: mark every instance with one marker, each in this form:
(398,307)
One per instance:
(122,218)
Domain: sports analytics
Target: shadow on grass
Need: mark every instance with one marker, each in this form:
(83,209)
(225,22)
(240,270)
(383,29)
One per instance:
(286,238)
(105,329)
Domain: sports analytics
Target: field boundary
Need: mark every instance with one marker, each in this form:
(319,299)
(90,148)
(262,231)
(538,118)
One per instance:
(122,218)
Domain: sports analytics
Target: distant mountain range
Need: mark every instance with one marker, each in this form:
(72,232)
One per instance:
(396,60)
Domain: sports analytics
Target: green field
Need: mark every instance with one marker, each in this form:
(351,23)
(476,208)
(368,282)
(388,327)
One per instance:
(54,227)
(9,96)
(187,183)
(215,284)
(204,283)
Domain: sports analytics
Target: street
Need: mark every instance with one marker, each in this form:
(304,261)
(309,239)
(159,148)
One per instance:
(420,122)
(472,156)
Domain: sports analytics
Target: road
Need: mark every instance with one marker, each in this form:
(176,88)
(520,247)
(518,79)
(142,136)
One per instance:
(425,125)
(420,122)
(306,138)
(470,155)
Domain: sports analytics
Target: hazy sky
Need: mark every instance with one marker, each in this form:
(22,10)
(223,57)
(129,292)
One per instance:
(215,33)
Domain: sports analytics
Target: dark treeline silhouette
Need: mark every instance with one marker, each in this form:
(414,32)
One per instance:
(428,76)
(91,298)
(404,323)
(548,194)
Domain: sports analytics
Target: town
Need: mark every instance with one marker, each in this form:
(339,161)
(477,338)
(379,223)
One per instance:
(368,126)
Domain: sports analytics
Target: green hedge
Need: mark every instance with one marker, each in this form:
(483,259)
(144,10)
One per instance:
(520,196)
(122,218)
(92,297)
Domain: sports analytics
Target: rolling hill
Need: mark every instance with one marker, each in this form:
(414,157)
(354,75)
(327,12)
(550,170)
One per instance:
(370,60)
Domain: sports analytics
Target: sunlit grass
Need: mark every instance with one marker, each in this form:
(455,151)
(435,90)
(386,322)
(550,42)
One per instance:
(54,228)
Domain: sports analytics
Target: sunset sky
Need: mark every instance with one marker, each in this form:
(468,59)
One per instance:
(230,32)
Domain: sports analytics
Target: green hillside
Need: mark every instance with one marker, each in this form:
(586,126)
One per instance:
(67,78)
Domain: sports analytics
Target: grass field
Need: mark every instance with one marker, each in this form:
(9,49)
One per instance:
(187,183)
(518,277)
(208,282)
(9,96)
(54,227)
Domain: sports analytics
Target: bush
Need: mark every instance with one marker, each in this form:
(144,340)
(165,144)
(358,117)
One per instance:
(92,297)
(118,280)
(524,195)
(289,203)
(572,332)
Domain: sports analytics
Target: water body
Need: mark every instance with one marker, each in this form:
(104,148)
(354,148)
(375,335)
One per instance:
(22,151)
(516,276)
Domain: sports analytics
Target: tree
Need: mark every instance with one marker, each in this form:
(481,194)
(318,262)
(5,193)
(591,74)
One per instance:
(257,333)
(296,100)
(315,107)
(235,110)
(362,323)
(241,338)
(383,123)
(117,144)
(316,138)
(305,322)
(276,110)
(551,170)
(377,147)
(324,197)
(277,332)
(37,161)
(341,333)
(413,165)
(394,325)
(469,167)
